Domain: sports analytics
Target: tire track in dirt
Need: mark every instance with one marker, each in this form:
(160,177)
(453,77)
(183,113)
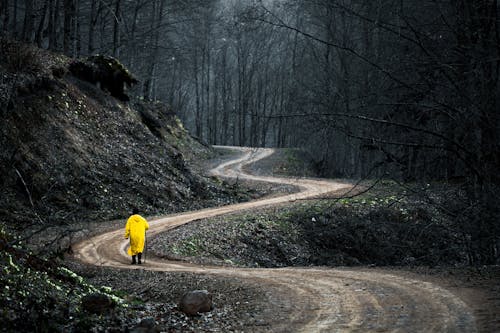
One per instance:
(314,300)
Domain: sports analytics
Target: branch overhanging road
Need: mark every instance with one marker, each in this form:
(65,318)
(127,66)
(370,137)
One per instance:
(320,299)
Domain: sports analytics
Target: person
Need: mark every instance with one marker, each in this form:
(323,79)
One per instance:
(136,229)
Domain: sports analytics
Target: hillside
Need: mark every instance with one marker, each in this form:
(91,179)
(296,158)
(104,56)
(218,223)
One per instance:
(72,152)
(74,156)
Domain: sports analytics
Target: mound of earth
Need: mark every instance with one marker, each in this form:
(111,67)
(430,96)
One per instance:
(382,228)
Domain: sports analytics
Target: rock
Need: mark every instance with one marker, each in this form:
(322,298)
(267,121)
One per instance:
(147,325)
(196,301)
(106,72)
(97,303)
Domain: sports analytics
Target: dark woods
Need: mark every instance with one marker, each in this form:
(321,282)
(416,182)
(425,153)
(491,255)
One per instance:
(403,89)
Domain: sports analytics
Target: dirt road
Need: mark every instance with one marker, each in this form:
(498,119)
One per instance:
(315,300)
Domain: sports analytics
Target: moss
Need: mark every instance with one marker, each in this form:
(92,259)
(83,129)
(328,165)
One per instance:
(36,288)
(191,246)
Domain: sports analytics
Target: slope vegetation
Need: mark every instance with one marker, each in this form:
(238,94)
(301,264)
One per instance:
(72,152)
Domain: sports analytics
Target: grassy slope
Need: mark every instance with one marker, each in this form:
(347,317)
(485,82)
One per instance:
(386,226)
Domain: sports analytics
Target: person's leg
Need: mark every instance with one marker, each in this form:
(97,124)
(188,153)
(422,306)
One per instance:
(133,260)
(139,256)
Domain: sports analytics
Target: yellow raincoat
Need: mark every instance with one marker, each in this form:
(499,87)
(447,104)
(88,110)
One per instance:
(136,229)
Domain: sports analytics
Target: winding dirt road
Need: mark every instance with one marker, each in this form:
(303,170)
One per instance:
(315,300)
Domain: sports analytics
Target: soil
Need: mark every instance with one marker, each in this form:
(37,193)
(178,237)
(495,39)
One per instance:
(238,305)
(311,299)
(478,287)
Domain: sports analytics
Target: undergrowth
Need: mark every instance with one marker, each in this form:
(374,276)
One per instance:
(388,226)
(38,295)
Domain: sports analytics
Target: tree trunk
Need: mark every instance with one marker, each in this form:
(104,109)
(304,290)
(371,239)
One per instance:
(102,28)
(224,98)
(6,15)
(242,91)
(14,20)
(77,47)
(156,23)
(132,43)
(92,25)
(52,25)
(41,25)
(203,104)
(69,16)
(215,112)
(207,87)
(116,29)
(29,22)
(197,118)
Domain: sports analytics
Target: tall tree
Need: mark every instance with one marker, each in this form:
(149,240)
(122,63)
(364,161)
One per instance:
(116,29)
(68,27)
(29,22)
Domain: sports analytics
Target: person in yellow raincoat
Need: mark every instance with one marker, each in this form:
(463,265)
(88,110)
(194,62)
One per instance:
(136,229)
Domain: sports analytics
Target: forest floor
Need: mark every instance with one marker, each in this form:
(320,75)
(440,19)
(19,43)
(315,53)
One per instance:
(413,297)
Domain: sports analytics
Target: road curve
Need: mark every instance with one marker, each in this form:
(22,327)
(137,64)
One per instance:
(317,300)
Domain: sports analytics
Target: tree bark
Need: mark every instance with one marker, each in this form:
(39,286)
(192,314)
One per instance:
(116,29)
(77,34)
(92,27)
(132,42)
(6,15)
(14,19)
(41,24)
(52,24)
(29,21)
(156,24)
(69,16)
(197,119)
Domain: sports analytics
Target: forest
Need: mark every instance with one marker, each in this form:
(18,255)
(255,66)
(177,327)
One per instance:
(304,165)
(370,89)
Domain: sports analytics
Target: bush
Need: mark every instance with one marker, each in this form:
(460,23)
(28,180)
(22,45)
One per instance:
(49,295)
(108,72)
(19,57)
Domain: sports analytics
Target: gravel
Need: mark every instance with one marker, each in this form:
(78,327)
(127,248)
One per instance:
(239,306)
